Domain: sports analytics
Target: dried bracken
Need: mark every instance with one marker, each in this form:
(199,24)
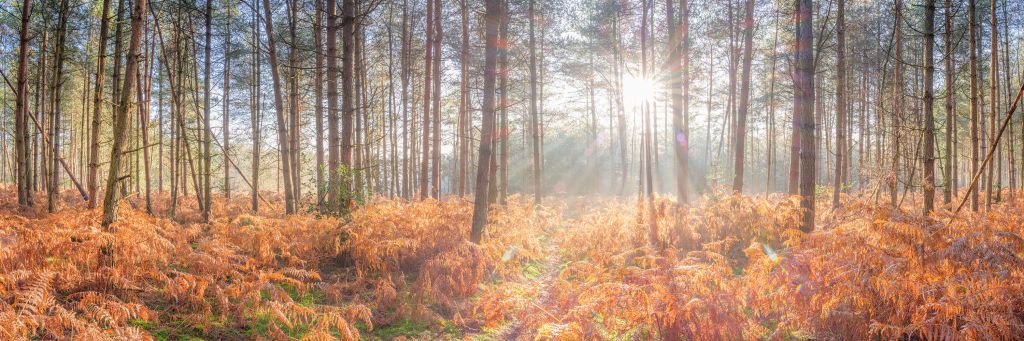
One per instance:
(729,267)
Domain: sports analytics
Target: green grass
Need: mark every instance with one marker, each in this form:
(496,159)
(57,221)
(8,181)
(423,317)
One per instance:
(402,328)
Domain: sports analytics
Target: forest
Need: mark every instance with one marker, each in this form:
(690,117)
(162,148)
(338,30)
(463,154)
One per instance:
(511,170)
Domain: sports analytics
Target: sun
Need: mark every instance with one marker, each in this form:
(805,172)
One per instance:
(636,90)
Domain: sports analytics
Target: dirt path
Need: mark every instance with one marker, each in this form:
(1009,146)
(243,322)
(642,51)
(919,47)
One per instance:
(550,269)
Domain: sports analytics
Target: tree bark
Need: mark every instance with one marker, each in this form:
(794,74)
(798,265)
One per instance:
(491,22)
(804,108)
(837,186)
(110,200)
(972,24)
(282,127)
(534,120)
(929,110)
(744,105)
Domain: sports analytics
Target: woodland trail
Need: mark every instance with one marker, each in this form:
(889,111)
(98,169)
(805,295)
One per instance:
(541,303)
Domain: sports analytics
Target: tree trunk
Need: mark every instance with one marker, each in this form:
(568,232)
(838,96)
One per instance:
(950,79)
(282,127)
(491,22)
(348,23)
(21,138)
(97,106)
(427,81)
(972,24)
(318,86)
(436,126)
(462,138)
(207,130)
(837,186)
(534,120)
(804,108)
(110,200)
(929,110)
(293,106)
(991,188)
(226,114)
(744,106)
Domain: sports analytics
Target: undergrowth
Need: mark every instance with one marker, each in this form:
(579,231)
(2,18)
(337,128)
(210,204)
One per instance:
(725,267)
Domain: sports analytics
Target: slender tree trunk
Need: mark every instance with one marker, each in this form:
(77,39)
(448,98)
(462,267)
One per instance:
(22,111)
(207,130)
(991,187)
(226,114)
(972,24)
(491,22)
(503,105)
(110,200)
(293,105)
(334,197)
(462,140)
(427,82)
(804,105)
(282,127)
(770,181)
(318,86)
(436,134)
(837,186)
(53,175)
(534,124)
(949,79)
(929,110)
(348,23)
(744,105)
(97,106)
(679,59)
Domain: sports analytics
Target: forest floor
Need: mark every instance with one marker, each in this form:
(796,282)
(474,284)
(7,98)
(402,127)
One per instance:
(726,267)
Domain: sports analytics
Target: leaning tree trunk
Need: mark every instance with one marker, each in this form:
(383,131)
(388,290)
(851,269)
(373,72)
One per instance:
(282,128)
(491,19)
(110,199)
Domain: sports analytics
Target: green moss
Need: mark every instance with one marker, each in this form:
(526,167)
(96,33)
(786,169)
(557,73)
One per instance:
(403,328)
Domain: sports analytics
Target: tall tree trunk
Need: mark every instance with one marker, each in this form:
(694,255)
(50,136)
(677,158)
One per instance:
(679,59)
(949,79)
(462,138)
(110,200)
(503,105)
(803,104)
(837,186)
(318,80)
(491,22)
(348,23)
(293,105)
(744,105)
(534,120)
(97,106)
(207,130)
(436,134)
(53,188)
(972,24)
(929,110)
(282,127)
(334,186)
(226,114)
(21,138)
(255,110)
(991,187)
(427,82)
